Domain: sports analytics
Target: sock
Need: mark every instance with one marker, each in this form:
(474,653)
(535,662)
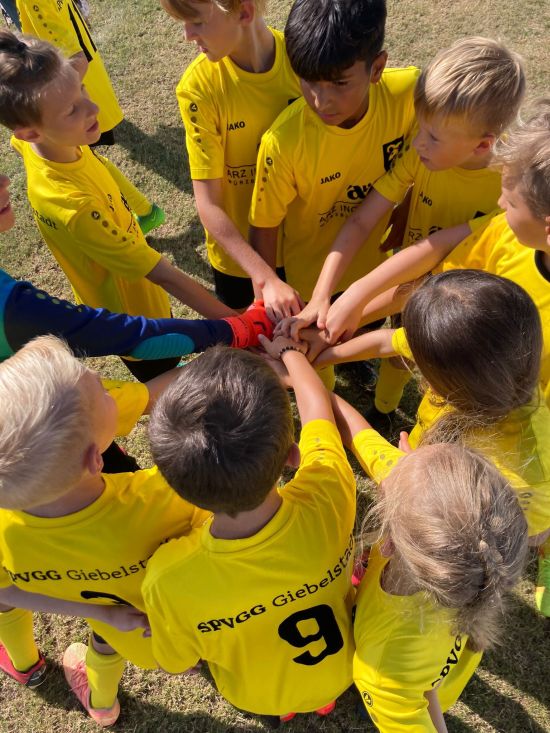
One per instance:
(247,327)
(544,549)
(17,636)
(104,673)
(390,386)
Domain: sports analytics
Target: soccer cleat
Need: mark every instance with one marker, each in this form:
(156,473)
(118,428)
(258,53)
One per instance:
(327,709)
(32,677)
(155,218)
(249,325)
(74,666)
(287,718)
(542,590)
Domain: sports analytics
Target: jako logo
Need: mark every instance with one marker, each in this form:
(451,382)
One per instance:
(236,125)
(332,177)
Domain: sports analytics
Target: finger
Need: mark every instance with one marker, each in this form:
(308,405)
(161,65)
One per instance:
(264,341)
(295,329)
(271,314)
(404,444)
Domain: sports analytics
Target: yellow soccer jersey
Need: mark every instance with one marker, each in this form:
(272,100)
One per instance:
(131,400)
(60,22)
(405,647)
(88,226)
(517,446)
(99,553)
(440,199)
(225,111)
(271,614)
(495,249)
(311,176)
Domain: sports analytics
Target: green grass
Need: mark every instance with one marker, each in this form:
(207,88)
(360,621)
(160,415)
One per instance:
(146,55)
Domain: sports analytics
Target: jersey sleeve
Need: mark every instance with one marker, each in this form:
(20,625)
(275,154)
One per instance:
(202,131)
(376,455)
(124,253)
(396,182)
(392,708)
(131,400)
(43,19)
(275,185)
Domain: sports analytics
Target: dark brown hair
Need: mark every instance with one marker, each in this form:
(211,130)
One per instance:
(220,434)
(27,65)
(477,340)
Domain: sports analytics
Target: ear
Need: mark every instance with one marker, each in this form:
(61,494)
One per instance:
(247,12)
(378,66)
(293,457)
(27,134)
(485,145)
(93,460)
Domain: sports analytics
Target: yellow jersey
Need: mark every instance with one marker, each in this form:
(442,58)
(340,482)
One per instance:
(86,222)
(440,199)
(271,613)
(495,249)
(516,445)
(226,110)
(311,177)
(60,22)
(404,648)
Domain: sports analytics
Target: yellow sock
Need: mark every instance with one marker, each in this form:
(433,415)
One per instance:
(390,386)
(17,636)
(104,673)
(328,377)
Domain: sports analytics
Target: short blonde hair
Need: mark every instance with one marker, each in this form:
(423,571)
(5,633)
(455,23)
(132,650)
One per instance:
(477,79)
(525,154)
(457,528)
(44,423)
(182,10)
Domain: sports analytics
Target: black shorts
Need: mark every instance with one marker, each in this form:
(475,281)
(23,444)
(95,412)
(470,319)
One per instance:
(148,369)
(237,292)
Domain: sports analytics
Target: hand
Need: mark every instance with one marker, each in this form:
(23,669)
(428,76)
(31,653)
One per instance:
(126,618)
(280,300)
(278,367)
(342,320)
(314,312)
(279,344)
(317,341)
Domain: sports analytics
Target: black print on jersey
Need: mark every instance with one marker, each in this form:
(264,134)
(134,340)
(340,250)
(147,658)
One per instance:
(90,595)
(236,125)
(452,659)
(391,150)
(193,107)
(215,624)
(327,630)
(367,699)
(425,199)
(358,193)
(44,219)
(331,177)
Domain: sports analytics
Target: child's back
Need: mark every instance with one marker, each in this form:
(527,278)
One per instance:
(269,609)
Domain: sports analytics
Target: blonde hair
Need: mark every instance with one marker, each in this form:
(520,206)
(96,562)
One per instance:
(525,153)
(183,10)
(27,66)
(477,79)
(43,423)
(459,532)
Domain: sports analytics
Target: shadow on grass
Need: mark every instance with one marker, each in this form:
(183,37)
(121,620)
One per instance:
(164,152)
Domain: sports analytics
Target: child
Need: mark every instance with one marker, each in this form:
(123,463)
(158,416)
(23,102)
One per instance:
(452,542)
(458,102)
(26,312)
(78,205)
(228,97)
(320,157)
(262,592)
(61,22)
(67,530)
(477,339)
(513,244)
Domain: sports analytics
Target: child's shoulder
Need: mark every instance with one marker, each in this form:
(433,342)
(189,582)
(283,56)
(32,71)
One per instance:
(290,122)
(400,80)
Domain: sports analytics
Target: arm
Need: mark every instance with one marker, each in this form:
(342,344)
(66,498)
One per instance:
(79,62)
(351,236)
(124,618)
(187,290)
(349,421)
(278,297)
(411,263)
(367,346)
(434,709)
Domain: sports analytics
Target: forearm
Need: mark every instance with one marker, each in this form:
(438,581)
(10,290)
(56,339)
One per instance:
(376,344)
(351,236)
(348,420)
(389,303)
(435,711)
(187,290)
(264,242)
(17,598)
(312,398)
